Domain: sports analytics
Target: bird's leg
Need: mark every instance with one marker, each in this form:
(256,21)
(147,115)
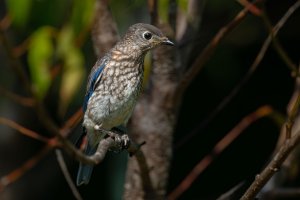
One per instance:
(119,135)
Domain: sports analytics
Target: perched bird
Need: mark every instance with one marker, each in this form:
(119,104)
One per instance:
(114,85)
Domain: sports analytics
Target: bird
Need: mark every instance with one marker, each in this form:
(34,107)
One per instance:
(113,87)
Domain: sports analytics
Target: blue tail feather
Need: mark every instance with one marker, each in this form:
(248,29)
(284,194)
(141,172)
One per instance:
(85,171)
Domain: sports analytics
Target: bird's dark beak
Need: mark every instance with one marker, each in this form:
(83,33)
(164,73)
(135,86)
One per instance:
(166,41)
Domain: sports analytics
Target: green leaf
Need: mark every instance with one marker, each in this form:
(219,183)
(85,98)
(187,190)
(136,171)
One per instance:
(73,70)
(82,15)
(19,11)
(183,5)
(40,53)
(72,78)
(163,10)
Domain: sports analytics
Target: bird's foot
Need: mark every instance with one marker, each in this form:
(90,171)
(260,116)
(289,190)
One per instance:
(122,142)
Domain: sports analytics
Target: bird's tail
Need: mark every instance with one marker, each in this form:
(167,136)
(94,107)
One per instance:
(85,171)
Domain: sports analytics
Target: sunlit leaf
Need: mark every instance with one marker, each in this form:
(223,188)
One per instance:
(163,9)
(183,5)
(73,70)
(40,53)
(19,11)
(82,14)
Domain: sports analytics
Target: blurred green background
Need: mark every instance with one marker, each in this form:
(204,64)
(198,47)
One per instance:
(52,39)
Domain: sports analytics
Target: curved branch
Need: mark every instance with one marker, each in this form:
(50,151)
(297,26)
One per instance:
(208,51)
(262,178)
(245,79)
(218,148)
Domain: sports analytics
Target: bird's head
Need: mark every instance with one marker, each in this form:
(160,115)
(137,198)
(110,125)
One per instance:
(146,36)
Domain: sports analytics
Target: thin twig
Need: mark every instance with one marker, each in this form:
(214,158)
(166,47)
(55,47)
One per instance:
(72,122)
(25,101)
(245,79)
(20,171)
(278,47)
(152,6)
(15,63)
(208,51)
(291,118)
(251,7)
(25,131)
(262,178)
(218,149)
(64,169)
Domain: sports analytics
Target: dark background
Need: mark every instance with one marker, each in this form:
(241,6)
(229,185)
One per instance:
(270,85)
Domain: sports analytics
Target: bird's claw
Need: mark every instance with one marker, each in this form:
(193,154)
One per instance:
(122,142)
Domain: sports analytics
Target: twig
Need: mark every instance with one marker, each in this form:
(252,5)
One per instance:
(5,22)
(152,6)
(232,193)
(278,47)
(23,130)
(71,123)
(251,7)
(282,193)
(218,148)
(286,147)
(64,169)
(25,101)
(291,117)
(262,178)
(20,171)
(15,62)
(245,79)
(198,64)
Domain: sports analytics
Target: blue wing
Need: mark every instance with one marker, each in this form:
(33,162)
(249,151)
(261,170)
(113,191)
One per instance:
(94,78)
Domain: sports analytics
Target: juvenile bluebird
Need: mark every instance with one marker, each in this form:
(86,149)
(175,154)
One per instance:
(114,85)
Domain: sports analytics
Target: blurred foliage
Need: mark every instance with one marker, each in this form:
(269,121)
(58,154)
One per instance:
(19,11)
(55,46)
(40,52)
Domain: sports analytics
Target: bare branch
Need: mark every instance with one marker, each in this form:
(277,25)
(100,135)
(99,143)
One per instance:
(278,47)
(23,130)
(208,51)
(245,79)
(152,7)
(15,63)
(25,101)
(218,149)
(251,7)
(20,171)
(64,169)
(262,178)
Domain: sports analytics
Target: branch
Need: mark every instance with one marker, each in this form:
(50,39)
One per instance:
(25,101)
(64,169)
(262,178)
(23,130)
(208,51)
(278,47)
(291,118)
(20,171)
(218,149)
(15,62)
(245,79)
(152,7)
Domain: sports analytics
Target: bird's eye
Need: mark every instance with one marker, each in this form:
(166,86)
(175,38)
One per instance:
(147,35)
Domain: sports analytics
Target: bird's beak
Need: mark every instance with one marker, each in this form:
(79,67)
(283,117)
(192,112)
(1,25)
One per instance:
(166,41)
